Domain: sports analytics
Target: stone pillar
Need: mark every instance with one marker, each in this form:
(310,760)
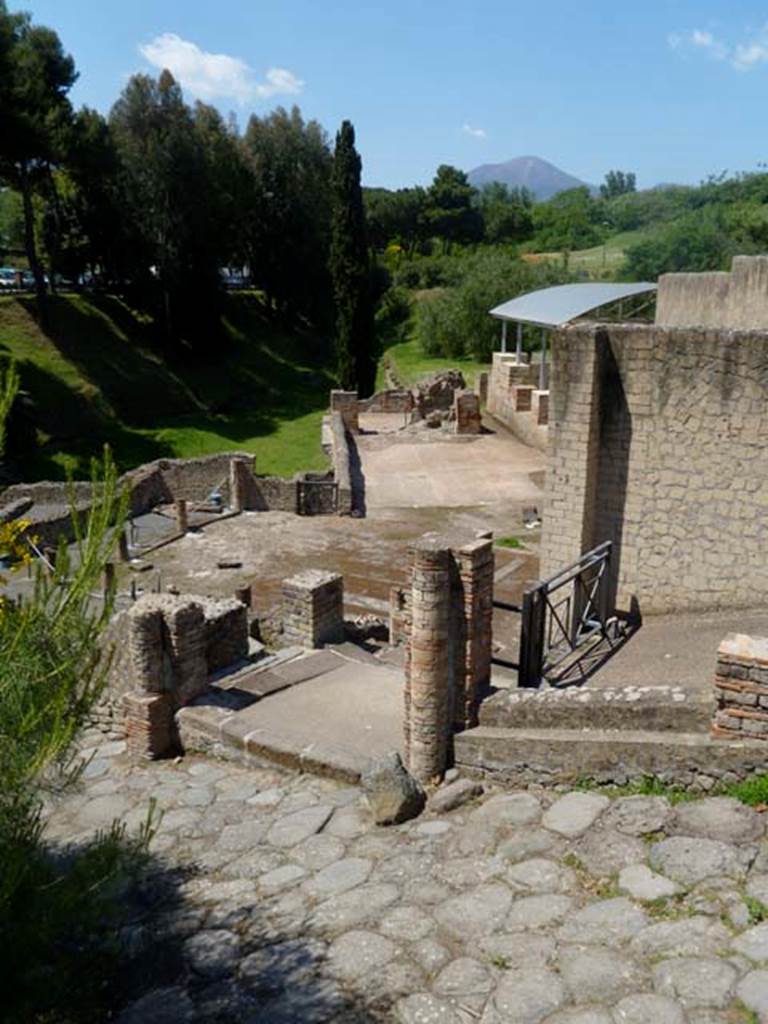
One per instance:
(345,402)
(181,515)
(240,471)
(482,387)
(244,596)
(145,648)
(475,564)
(397,613)
(428,696)
(741,688)
(313,608)
(466,408)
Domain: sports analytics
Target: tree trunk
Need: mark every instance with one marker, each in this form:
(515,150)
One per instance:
(29,244)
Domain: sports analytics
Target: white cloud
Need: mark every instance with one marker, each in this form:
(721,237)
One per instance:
(211,76)
(742,56)
(476,133)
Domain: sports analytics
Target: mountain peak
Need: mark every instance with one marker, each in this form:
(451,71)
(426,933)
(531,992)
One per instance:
(539,176)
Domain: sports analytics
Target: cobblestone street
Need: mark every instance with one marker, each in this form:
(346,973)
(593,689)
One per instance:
(271,898)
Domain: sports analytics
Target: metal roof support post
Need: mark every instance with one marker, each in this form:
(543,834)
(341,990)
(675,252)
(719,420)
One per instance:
(543,363)
(503,335)
(519,342)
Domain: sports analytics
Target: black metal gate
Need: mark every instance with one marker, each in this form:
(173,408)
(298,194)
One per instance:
(565,614)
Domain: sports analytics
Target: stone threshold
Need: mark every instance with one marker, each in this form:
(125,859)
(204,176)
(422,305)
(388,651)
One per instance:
(556,756)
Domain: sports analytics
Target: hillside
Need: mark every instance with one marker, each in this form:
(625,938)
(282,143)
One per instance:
(98,376)
(531,172)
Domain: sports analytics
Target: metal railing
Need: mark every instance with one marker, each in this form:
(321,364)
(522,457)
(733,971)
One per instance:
(567,613)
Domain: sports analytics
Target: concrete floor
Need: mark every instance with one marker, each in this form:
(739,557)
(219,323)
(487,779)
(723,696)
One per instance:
(425,471)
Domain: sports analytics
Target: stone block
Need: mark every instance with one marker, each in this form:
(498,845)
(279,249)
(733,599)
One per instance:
(313,608)
(522,397)
(149,726)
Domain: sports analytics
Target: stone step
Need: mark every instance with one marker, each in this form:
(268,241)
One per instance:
(655,708)
(554,756)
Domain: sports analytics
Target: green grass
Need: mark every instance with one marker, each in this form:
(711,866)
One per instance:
(752,791)
(411,365)
(649,785)
(600,261)
(99,375)
(508,542)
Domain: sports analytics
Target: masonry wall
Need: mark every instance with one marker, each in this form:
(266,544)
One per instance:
(504,401)
(736,300)
(657,441)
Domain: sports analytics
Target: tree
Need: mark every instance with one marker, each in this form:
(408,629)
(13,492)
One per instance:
(350,269)
(35,114)
(169,198)
(397,217)
(566,221)
(618,183)
(450,213)
(506,212)
(286,220)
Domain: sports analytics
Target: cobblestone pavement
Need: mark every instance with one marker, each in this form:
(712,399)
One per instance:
(272,899)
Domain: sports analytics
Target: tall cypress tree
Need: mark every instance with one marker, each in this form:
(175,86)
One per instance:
(350,270)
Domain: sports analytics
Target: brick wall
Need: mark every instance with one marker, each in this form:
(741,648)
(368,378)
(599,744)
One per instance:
(738,299)
(511,386)
(657,442)
(313,608)
(340,457)
(741,688)
(390,400)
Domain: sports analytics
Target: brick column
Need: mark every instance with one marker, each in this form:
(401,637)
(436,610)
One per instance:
(428,696)
(313,608)
(482,387)
(240,472)
(466,408)
(345,402)
(741,687)
(473,670)
(182,517)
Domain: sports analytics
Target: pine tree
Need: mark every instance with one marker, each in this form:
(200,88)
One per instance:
(350,270)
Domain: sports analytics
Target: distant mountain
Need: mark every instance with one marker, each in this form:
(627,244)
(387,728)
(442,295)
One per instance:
(542,178)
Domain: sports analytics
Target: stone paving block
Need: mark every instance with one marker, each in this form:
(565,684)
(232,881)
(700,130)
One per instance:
(696,981)
(647,1008)
(573,813)
(690,860)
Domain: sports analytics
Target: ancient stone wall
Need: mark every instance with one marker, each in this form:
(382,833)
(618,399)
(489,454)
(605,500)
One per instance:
(390,400)
(741,688)
(511,390)
(346,403)
(735,300)
(340,458)
(658,444)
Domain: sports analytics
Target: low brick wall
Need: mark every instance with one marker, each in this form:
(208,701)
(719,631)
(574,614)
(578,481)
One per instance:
(340,457)
(313,608)
(741,687)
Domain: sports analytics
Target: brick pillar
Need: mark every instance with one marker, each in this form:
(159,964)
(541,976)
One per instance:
(181,515)
(149,727)
(345,402)
(540,407)
(473,670)
(240,472)
(482,387)
(428,696)
(741,688)
(313,608)
(466,408)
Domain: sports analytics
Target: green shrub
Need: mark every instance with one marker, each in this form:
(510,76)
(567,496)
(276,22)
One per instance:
(455,323)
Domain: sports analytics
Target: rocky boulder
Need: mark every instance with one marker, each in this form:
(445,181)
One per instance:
(391,792)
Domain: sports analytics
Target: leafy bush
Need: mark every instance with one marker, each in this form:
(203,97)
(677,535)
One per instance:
(456,323)
(424,272)
(696,242)
(56,910)
(392,315)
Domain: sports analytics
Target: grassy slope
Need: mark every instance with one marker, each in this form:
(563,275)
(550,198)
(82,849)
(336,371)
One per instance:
(98,376)
(600,261)
(410,364)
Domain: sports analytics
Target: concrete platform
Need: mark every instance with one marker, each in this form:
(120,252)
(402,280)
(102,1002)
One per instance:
(330,724)
(432,472)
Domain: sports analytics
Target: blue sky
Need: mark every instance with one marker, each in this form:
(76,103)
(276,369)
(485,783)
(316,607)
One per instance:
(673,90)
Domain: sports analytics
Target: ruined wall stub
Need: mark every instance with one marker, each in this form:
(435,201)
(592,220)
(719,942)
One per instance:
(657,442)
(313,608)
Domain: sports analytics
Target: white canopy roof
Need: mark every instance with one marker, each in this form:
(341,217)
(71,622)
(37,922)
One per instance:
(554,307)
